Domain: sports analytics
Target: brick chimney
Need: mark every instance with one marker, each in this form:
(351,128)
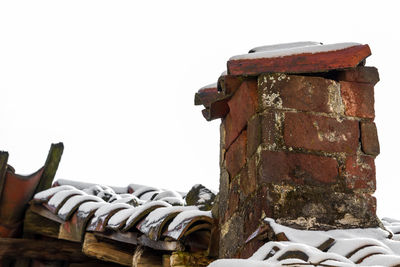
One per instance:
(298,140)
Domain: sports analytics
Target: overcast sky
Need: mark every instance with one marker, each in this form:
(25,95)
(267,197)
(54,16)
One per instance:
(115,81)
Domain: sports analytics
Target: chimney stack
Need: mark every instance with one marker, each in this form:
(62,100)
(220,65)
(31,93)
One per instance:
(298,140)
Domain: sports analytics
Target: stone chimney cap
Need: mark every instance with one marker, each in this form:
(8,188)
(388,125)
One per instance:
(299,57)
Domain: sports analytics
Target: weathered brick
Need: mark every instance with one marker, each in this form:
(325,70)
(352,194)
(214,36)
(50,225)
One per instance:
(235,156)
(360,173)
(297,168)
(231,236)
(253,134)
(233,199)
(320,133)
(242,106)
(222,149)
(358,99)
(271,128)
(359,74)
(223,195)
(304,93)
(369,138)
(323,208)
(248,182)
(255,208)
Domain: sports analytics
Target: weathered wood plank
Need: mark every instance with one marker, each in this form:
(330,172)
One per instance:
(50,167)
(126,237)
(37,224)
(106,251)
(52,250)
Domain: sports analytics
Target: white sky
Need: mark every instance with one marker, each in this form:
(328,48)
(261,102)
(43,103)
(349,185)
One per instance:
(115,81)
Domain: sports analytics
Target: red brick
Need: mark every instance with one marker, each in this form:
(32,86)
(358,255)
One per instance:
(369,138)
(359,74)
(298,168)
(358,99)
(300,93)
(360,173)
(320,133)
(235,156)
(242,106)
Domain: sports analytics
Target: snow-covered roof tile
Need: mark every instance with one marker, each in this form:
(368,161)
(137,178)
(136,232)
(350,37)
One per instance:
(348,247)
(84,207)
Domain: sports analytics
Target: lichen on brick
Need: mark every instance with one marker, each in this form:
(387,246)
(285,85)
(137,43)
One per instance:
(335,102)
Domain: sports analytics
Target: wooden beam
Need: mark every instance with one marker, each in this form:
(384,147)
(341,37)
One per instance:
(161,245)
(145,257)
(50,167)
(132,238)
(39,209)
(107,251)
(52,250)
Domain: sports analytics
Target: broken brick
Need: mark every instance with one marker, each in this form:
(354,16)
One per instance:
(369,138)
(359,74)
(358,99)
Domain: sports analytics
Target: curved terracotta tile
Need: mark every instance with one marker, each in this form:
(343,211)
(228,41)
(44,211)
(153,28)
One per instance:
(117,221)
(167,193)
(141,190)
(59,198)
(17,192)
(142,211)
(45,195)
(73,203)
(184,220)
(155,221)
(103,214)
(174,201)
